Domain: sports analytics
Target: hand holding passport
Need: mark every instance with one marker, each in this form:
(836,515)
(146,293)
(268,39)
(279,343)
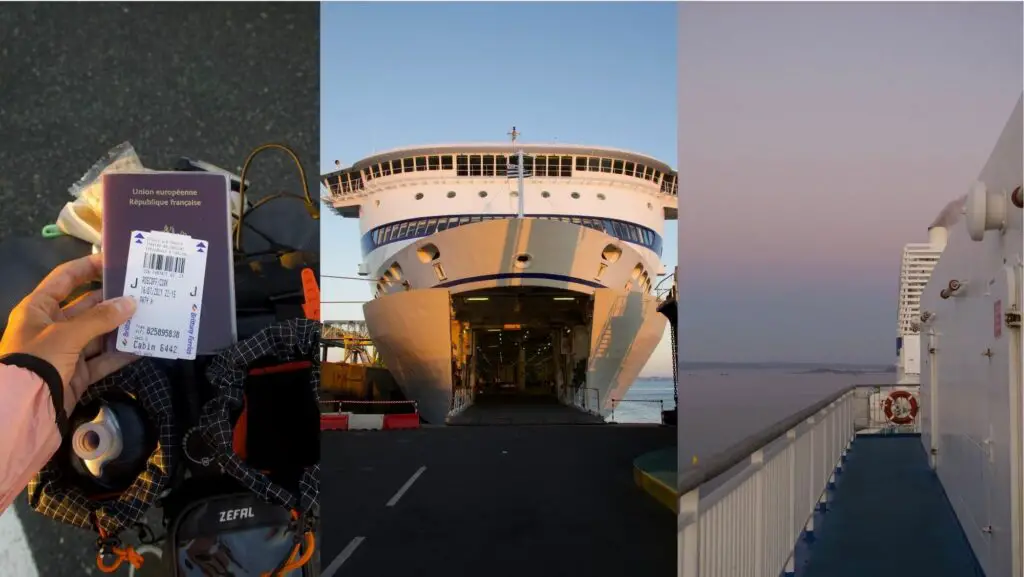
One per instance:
(167,242)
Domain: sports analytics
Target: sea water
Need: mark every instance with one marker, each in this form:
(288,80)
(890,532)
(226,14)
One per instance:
(719,408)
(644,402)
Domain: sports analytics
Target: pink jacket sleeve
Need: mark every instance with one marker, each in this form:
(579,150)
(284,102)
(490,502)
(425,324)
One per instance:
(28,431)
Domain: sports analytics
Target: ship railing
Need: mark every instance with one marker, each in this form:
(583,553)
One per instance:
(368,407)
(461,400)
(617,402)
(587,399)
(757,497)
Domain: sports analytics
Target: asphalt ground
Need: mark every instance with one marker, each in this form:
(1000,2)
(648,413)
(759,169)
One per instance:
(544,501)
(209,81)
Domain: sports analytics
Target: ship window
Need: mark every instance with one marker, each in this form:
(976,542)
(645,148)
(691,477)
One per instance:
(453,222)
(617,167)
(385,168)
(634,233)
(433,162)
(501,165)
(463,220)
(566,166)
(648,172)
(594,164)
(451,194)
(421,163)
(528,164)
(540,166)
(581,163)
(600,196)
(575,220)
(629,168)
(446,162)
(475,219)
(575,195)
(419,195)
(657,176)
(488,165)
(376,170)
(462,165)
(396,167)
(420,227)
(431,226)
(606,165)
(442,225)
(553,164)
(475,165)
(401,230)
(545,194)
(483,194)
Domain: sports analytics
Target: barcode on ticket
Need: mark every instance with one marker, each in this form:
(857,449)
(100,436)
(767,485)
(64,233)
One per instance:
(163,262)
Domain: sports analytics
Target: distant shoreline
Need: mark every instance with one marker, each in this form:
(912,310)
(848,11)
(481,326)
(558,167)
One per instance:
(795,368)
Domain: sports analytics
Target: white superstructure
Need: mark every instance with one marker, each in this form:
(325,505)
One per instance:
(460,275)
(915,269)
(971,397)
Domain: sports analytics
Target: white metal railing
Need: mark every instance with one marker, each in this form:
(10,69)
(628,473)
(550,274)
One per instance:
(742,513)
(461,400)
(587,399)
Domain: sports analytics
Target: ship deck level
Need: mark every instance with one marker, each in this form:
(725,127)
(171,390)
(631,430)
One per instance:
(888,516)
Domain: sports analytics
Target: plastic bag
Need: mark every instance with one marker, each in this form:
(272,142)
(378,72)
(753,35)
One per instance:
(89,188)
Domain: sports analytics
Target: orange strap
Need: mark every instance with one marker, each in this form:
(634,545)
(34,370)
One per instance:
(311,292)
(120,554)
(295,560)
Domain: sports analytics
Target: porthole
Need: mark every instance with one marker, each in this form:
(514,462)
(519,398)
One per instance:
(419,196)
(600,196)
(451,194)
(428,253)
(523,261)
(545,194)
(575,195)
(483,194)
(514,194)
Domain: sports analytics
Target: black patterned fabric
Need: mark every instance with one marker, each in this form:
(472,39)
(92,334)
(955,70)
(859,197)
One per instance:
(294,340)
(48,493)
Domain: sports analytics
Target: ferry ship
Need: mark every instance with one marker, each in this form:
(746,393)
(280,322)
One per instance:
(517,269)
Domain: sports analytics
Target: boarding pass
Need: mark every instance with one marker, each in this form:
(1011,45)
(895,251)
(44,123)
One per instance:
(165,274)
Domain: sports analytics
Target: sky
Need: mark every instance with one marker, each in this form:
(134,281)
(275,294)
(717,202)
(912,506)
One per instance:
(815,140)
(404,74)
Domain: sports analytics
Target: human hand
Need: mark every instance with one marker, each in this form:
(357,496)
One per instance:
(69,338)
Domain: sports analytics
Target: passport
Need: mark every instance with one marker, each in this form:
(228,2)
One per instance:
(195,204)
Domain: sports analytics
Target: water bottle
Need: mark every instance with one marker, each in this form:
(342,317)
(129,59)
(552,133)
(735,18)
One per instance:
(111,448)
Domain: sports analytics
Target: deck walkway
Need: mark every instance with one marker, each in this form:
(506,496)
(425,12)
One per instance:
(888,517)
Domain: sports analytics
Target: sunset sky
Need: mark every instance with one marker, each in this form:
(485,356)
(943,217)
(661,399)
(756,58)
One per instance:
(814,141)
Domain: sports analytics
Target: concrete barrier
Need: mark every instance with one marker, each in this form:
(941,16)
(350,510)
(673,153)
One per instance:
(405,421)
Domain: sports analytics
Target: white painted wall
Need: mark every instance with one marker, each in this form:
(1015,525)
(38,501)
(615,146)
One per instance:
(971,375)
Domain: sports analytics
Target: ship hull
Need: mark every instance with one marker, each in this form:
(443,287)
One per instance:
(584,294)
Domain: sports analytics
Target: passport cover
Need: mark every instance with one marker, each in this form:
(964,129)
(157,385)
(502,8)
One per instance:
(190,203)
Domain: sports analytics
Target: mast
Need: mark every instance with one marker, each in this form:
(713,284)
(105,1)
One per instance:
(519,172)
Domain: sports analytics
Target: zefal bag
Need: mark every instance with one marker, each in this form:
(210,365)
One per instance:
(55,492)
(239,535)
(261,429)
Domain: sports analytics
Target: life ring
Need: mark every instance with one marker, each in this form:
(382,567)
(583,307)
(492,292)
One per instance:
(900,418)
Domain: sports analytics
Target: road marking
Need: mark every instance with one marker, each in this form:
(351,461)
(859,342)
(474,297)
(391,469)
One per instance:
(405,487)
(343,556)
